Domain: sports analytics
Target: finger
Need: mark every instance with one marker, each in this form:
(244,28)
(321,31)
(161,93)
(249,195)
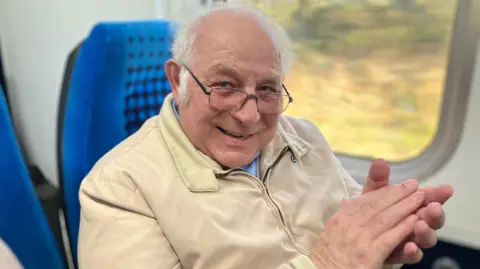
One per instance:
(366,206)
(410,254)
(378,176)
(424,236)
(389,240)
(406,253)
(392,216)
(433,215)
(439,194)
(397,253)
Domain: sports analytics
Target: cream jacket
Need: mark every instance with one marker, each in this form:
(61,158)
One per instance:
(155,202)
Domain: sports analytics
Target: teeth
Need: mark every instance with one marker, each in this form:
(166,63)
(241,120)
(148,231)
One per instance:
(234,135)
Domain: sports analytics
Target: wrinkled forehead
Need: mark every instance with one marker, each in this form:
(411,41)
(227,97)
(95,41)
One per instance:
(237,41)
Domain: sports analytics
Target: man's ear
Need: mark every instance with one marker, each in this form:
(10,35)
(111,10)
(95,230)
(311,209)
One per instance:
(172,70)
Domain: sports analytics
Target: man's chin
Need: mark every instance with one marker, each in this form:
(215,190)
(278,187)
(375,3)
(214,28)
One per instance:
(234,159)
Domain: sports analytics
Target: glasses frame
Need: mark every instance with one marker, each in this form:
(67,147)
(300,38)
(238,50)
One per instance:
(247,95)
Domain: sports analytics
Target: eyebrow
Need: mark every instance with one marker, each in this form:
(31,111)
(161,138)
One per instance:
(224,70)
(228,71)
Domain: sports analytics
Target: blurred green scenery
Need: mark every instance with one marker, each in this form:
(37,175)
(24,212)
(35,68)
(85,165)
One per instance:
(370,74)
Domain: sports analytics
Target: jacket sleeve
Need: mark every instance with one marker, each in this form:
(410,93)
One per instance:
(118,229)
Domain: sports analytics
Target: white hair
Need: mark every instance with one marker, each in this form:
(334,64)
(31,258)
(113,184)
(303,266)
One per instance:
(182,86)
(184,43)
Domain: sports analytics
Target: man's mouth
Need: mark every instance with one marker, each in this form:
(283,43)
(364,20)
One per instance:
(235,135)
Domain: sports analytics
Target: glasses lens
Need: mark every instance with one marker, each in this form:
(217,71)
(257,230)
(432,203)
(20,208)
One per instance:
(272,103)
(227,99)
(232,99)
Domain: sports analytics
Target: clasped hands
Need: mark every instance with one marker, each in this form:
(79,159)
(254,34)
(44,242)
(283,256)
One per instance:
(386,224)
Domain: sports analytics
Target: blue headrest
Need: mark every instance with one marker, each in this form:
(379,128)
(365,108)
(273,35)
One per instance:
(23,225)
(117,82)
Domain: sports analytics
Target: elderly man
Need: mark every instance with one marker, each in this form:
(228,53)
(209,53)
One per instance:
(221,179)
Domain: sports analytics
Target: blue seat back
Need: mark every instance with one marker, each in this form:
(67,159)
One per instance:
(117,81)
(23,224)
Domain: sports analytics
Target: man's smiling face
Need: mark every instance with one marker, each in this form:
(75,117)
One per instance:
(224,58)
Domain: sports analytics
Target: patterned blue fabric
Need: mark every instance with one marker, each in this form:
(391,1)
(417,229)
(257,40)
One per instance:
(251,168)
(118,82)
(23,225)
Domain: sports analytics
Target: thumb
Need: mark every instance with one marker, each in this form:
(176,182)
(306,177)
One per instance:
(378,176)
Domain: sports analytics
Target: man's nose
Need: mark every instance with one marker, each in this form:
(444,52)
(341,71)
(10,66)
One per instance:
(248,113)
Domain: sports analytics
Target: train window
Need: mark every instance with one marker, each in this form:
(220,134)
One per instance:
(372,75)
(369,74)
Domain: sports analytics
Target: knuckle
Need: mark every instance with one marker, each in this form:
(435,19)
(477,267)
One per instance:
(399,190)
(396,188)
(348,206)
(422,213)
(352,236)
(412,204)
(367,235)
(346,203)
(382,222)
(415,199)
(385,244)
(334,221)
(363,243)
(362,255)
(374,228)
(371,207)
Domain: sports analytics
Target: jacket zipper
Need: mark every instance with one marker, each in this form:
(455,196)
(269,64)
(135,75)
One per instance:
(264,179)
(263,185)
(267,192)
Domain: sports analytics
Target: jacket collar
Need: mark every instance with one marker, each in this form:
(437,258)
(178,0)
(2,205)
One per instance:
(198,171)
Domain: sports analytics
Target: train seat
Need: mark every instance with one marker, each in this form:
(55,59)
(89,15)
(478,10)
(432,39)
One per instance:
(23,224)
(113,81)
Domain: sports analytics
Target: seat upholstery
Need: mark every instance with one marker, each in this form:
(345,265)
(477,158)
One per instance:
(115,80)
(23,224)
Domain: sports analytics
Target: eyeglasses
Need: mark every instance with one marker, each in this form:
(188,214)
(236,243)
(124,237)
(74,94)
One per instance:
(231,99)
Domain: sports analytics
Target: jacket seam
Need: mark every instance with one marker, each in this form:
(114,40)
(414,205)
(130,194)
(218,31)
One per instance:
(121,154)
(102,179)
